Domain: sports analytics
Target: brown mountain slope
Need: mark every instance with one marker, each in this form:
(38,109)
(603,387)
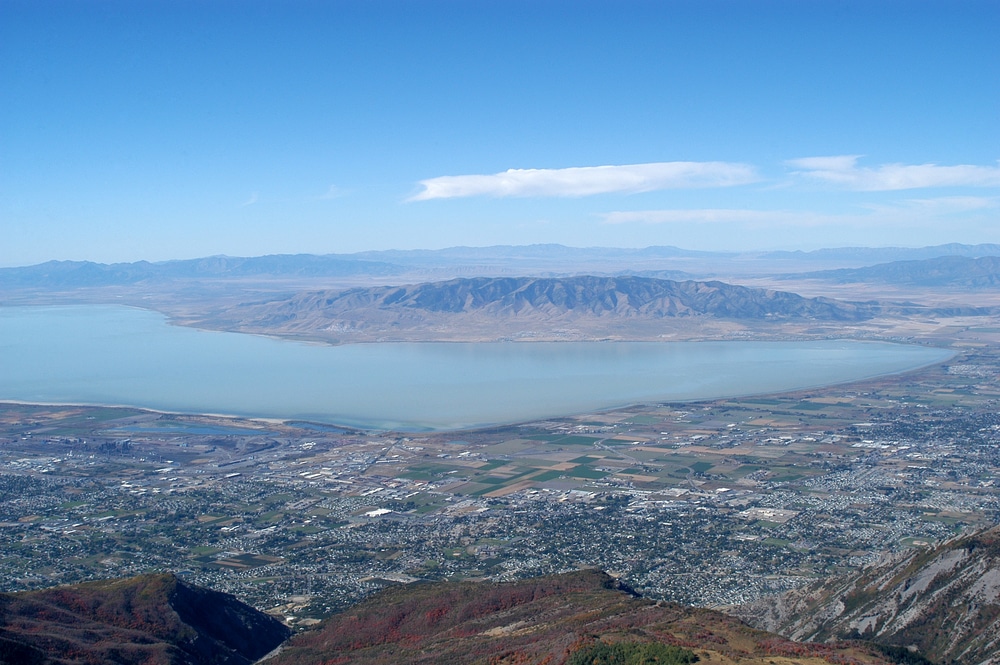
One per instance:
(541,620)
(152,620)
(944,601)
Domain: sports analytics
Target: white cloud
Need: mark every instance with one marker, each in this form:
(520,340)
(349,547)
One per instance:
(589,180)
(843,170)
(250,201)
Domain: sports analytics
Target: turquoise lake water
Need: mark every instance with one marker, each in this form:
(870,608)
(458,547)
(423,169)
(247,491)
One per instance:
(120,355)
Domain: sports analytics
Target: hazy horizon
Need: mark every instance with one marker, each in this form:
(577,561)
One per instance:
(732,253)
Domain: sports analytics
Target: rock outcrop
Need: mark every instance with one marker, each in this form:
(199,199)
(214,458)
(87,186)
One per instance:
(943,602)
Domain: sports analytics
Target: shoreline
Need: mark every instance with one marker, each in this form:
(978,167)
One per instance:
(652,331)
(286,422)
(147,409)
(134,358)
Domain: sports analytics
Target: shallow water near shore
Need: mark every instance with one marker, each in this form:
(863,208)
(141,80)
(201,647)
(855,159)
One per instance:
(117,355)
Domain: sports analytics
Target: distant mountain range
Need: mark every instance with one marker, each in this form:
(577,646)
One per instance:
(148,620)
(71,274)
(944,602)
(499,293)
(534,260)
(888,254)
(548,252)
(945,271)
(562,253)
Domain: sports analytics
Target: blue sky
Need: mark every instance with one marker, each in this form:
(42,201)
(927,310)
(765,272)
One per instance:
(156,130)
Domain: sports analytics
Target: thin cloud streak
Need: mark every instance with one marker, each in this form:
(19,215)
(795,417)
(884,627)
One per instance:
(589,180)
(702,216)
(333,192)
(843,170)
(954,203)
(916,211)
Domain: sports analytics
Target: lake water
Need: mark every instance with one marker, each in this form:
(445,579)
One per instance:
(119,355)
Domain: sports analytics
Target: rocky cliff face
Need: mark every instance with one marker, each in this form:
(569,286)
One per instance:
(944,602)
(152,620)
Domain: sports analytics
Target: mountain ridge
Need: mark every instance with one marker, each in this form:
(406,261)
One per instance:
(565,618)
(579,308)
(949,271)
(381,263)
(150,620)
(68,274)
(535,621)
(619,297)
(943,601)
